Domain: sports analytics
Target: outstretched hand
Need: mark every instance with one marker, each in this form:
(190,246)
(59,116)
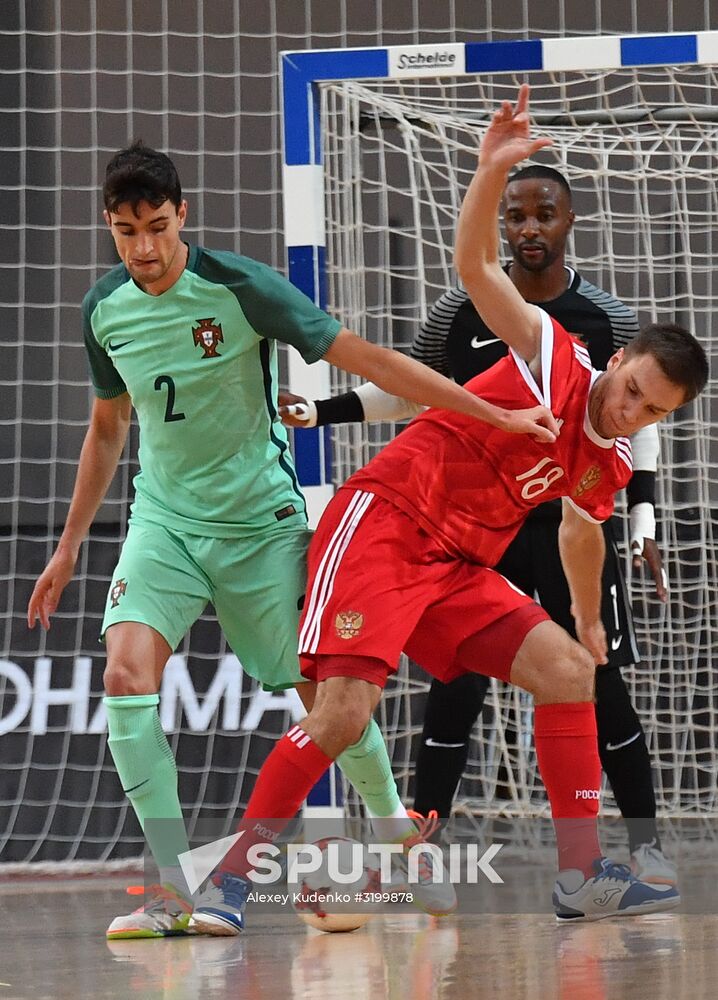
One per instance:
(538,422)
(508,140)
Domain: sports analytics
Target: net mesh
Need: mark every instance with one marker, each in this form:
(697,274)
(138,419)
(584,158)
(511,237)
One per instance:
(636,148)
(79,80)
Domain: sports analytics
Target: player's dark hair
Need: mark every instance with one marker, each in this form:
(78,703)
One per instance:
(679,355)
(140,173)
(542,172)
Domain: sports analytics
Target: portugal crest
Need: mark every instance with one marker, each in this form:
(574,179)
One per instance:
(590,478)
(118,589)
(349,624)
(207,334)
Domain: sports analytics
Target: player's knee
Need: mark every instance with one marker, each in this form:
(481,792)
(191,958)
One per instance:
(121,679)
(573,676)
(351,721)
(340,716)
(553,667)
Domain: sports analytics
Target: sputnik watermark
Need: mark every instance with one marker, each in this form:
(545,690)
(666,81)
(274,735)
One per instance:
(345,863)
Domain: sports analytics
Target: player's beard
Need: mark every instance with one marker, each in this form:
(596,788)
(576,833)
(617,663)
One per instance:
(538,263)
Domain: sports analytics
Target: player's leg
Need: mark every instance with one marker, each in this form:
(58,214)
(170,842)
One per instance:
(357,560)
(555,598)
(537,655)
(366,766)
(531,651)
(341,711)
(449,716)
(621,739)
(559,673)
(625,759)
(452,709)
(258,604)
(342,708)
(155,596)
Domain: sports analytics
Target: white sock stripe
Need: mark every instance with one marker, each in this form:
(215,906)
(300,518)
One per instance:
(323,583)
(316,588)
(341,547)
(292,731)
(297,735)
(303,742)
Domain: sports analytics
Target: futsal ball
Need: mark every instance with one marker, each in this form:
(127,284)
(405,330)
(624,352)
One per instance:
(340,895)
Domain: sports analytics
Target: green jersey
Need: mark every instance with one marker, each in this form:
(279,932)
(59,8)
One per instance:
(199,362)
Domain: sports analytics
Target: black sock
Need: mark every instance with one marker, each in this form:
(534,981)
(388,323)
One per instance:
(451,711)
(624,756)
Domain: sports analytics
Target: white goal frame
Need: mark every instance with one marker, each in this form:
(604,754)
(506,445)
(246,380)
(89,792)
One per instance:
(305,220)
(302,167)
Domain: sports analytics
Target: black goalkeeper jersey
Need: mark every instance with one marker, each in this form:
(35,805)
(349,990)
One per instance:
(455,341)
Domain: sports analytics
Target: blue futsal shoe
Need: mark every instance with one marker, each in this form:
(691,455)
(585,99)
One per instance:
(611,892)
(219,908)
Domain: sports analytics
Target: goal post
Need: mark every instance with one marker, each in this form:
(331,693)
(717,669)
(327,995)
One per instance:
(379,144)
(305,219)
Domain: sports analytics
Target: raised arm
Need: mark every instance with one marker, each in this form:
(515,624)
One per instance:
(100,454)
(506,142)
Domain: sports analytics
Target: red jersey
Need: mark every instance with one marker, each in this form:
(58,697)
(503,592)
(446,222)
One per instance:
(471,485)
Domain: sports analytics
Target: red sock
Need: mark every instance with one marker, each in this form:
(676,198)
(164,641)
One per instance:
(286,778)
(567,754)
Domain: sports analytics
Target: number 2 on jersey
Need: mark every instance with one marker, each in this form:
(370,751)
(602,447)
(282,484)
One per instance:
(167,380)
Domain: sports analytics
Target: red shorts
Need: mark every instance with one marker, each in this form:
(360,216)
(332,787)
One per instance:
(379,585)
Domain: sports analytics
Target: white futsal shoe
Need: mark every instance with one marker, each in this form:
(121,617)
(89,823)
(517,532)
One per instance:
(649,864)
(612,891)
(437,898)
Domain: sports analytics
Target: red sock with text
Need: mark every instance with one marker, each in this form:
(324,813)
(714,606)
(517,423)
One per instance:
(567,754)
(286,778)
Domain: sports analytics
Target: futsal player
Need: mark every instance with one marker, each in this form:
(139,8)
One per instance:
(403,554)
(188,337)
(538,217)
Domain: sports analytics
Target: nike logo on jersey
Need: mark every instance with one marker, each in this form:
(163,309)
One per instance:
(475,342)
(615,643)
(116,347)
(619,746)
(444,746)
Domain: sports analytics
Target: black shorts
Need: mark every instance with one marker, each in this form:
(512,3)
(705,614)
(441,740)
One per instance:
(533,563)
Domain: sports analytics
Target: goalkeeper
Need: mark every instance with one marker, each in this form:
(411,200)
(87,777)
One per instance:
(188,337)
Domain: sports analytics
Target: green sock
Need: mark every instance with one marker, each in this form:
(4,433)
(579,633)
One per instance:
(366,765)
(146,768)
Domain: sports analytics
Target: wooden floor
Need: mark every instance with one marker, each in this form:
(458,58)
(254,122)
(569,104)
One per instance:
(53,947)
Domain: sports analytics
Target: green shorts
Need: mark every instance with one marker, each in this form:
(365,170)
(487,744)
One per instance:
(165,578)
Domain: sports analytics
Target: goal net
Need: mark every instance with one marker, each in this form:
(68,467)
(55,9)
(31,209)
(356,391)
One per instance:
(638,149)
(79,81)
